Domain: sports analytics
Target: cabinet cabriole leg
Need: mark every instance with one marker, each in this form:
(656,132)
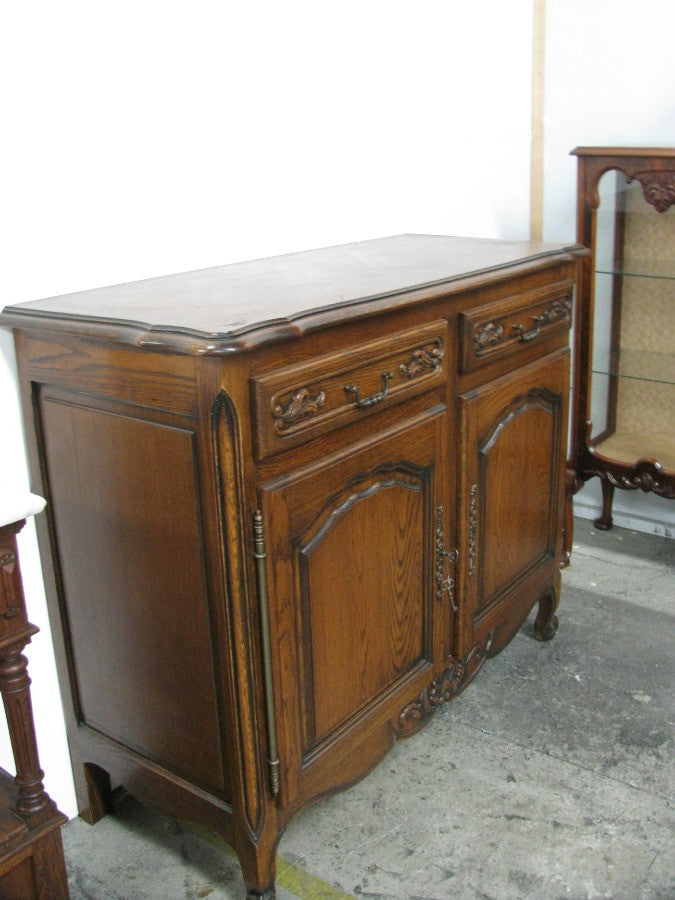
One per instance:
(604,522)
(546,623)
(258,863)
(267,894)
(260,884)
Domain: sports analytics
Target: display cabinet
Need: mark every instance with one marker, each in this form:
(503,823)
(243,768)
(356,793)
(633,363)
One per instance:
(623,420)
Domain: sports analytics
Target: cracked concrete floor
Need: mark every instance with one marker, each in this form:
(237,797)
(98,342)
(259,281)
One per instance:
(551,776)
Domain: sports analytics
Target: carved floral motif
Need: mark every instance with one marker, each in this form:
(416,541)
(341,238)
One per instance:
(301,405)
(447,685)
(658,188)
(7,561)
(487,335)
(557,310)
(646,477)
(424,360)
(12,611)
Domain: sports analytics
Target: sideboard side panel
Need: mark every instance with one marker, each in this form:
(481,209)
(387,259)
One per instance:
(124,492)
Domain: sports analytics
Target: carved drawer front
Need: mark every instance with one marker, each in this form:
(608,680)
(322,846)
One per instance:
(306,399)
(508,326)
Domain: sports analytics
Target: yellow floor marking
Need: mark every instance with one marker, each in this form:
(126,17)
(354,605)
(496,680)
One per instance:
(289,876)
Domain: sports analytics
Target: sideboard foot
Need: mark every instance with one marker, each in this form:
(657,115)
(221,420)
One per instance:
(259,868)
(546,623)
(99,793)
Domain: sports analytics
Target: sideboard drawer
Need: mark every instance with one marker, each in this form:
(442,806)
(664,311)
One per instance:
(303,400)
(509,325)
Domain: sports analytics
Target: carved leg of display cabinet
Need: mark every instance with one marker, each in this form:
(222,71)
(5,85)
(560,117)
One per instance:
(604,522)
(99,793)
(546,623)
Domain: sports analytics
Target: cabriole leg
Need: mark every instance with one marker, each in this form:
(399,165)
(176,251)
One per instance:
(546,623)
(605,522)
(259,867)
(267,894)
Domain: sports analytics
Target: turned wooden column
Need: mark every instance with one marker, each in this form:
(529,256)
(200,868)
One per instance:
(31,853)
(15,634)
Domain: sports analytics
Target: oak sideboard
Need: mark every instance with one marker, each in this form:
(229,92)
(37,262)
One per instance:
(293,505)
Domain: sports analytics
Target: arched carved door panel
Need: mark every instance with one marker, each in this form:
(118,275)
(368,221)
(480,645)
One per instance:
(355,623)
(511,494)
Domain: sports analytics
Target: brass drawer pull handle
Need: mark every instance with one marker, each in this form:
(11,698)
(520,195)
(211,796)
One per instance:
(533,332)
(375,398)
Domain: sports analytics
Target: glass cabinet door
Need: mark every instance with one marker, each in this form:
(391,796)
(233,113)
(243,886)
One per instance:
(632,403)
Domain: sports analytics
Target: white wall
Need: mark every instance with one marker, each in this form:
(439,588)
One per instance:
(142,138)
(610,81)
(152,137)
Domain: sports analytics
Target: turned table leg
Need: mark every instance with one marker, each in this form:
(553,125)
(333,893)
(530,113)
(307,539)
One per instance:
(14,684)
(33,865)
(15,634)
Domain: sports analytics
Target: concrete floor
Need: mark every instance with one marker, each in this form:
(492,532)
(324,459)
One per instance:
(549,777)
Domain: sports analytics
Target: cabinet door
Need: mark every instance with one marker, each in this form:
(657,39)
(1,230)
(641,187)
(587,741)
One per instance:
(513,433)
(355,624)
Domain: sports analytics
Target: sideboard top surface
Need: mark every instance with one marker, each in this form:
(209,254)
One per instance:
(247,304)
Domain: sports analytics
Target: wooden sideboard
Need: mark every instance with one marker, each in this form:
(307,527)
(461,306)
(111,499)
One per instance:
(293,505)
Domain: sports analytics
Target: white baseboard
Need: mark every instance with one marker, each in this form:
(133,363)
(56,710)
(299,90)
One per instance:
(588,510)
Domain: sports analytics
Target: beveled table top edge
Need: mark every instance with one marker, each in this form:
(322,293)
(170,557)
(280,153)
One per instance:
(249,335)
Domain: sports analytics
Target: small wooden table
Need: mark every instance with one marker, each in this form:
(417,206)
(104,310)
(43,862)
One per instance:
(31,852)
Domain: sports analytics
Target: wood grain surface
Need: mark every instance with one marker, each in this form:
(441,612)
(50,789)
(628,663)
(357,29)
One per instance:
(264,567)
(212,310)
